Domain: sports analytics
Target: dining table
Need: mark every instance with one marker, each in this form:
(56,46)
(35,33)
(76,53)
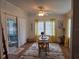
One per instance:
(43,45)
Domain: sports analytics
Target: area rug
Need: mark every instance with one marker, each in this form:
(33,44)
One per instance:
(55,52)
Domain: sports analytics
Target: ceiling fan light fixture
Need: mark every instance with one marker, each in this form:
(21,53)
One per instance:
(41,13)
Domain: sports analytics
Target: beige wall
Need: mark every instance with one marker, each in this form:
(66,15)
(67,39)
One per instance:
(23,23)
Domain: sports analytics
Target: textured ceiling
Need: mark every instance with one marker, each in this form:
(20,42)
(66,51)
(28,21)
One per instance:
(55,6)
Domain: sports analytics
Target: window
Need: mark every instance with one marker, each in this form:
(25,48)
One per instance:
(50,28)
(69,28)
(45,26)
(40,27)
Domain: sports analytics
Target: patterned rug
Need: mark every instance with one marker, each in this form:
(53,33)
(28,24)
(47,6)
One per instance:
(55,52)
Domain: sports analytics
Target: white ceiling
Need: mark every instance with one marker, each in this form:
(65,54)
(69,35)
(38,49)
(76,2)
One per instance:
(56,6)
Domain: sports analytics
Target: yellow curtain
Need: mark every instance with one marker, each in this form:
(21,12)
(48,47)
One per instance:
(36,27)
(52,37)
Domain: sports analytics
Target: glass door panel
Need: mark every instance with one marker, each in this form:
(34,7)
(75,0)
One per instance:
(12,32)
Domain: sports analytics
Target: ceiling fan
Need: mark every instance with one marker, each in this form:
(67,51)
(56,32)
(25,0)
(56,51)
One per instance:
(42,11)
